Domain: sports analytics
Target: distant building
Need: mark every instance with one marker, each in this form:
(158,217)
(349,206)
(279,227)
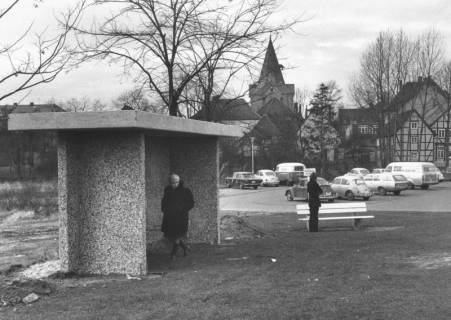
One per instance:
(271,85)
(417,120)
(26,154)
(270,115)
(358,129)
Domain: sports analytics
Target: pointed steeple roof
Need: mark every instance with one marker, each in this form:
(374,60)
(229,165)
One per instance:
(271,70)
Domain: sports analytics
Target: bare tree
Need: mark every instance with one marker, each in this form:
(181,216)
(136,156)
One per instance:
(136,99)
(83,104)
(44,63)
(429,60)
(170,43)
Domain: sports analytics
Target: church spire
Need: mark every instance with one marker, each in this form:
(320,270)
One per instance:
(271,70)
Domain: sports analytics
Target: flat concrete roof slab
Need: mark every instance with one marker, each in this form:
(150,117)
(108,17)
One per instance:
(127,119)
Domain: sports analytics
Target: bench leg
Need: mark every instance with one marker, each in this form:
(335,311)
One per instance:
(357,223)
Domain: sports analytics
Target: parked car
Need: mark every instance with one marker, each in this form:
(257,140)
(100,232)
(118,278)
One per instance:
(386,182)
(243,180)
(288,172)
(419,174)
(359,172)
(378,170)
(268,177)
(299,190)
(350,187)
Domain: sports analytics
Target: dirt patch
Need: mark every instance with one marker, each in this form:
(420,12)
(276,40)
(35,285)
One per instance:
(432,261)
(234,227)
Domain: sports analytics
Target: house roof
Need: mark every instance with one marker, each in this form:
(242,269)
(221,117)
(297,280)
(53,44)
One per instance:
(271,70)
(396,124)
(30,108)
(275,107)
(228,110)
(410,90)
(265,128)
(359,115)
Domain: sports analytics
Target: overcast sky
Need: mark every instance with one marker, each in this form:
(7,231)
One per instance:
(327,46)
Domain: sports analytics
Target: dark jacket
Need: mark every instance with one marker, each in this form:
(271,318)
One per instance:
(175,206)
(314,190)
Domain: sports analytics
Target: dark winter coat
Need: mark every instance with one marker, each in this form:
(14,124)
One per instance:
(314,190)
(175,206)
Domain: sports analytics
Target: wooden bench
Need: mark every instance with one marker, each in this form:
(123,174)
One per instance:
(336,211)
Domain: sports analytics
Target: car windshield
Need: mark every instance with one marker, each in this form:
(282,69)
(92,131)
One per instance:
(399,177)
(359,182)
(322,181)
(298,168)
(247,175)
(364,171)
(269,173)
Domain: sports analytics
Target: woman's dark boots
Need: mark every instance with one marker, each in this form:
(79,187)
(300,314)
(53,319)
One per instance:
(175,248)
(184,247)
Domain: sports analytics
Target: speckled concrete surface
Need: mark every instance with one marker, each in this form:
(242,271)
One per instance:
(102,202)
(157,172)
(196,161)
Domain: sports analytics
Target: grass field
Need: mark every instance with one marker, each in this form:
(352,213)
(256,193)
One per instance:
(397,267)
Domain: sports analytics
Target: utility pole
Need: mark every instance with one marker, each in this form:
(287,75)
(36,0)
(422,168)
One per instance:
(252,153)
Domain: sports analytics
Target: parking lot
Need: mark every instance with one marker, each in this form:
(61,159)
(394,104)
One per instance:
(272,199)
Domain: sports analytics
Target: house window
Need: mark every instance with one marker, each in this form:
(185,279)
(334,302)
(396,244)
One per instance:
(414,125)
(366,129)
(414,155)
(440,152)
(414,139)
(441,133)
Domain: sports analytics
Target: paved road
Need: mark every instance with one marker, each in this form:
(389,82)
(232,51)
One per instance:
(436,199)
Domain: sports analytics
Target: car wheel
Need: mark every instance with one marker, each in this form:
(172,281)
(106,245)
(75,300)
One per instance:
(289,196)
(366,198)
(229,185)
(331,200)
(381,191)
(241,186)
(349,195)
(425,187)
(412,186)
(397,192)
(255,187)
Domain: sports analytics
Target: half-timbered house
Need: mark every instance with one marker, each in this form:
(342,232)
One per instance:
(416,122)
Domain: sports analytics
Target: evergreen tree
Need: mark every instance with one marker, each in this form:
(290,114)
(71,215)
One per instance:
(318,135)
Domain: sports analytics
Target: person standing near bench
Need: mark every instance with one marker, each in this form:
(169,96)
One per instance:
(176,203)
(313,190)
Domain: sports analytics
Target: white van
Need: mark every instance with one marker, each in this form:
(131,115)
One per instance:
(289,171)
(419,174)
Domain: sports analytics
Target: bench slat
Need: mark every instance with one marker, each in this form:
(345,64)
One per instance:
(339,218)
(335,205)
(322,211)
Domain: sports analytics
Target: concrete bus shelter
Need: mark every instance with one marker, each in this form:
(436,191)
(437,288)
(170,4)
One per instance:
(112,170)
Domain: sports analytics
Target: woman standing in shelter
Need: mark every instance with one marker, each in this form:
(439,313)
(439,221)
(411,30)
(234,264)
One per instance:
(176,203)
(314,190)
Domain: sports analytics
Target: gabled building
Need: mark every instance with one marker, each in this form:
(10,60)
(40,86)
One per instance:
(358,129)
(416,121)
(271,84)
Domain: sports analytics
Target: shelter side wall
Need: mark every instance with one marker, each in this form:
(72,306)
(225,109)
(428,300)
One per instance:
(196,160)
(68,203)
(157,172)
(110,213)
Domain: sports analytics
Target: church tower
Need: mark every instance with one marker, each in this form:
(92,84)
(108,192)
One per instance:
(271,85)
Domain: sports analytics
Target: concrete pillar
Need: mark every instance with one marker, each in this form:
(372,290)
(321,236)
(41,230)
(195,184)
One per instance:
(102,202)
